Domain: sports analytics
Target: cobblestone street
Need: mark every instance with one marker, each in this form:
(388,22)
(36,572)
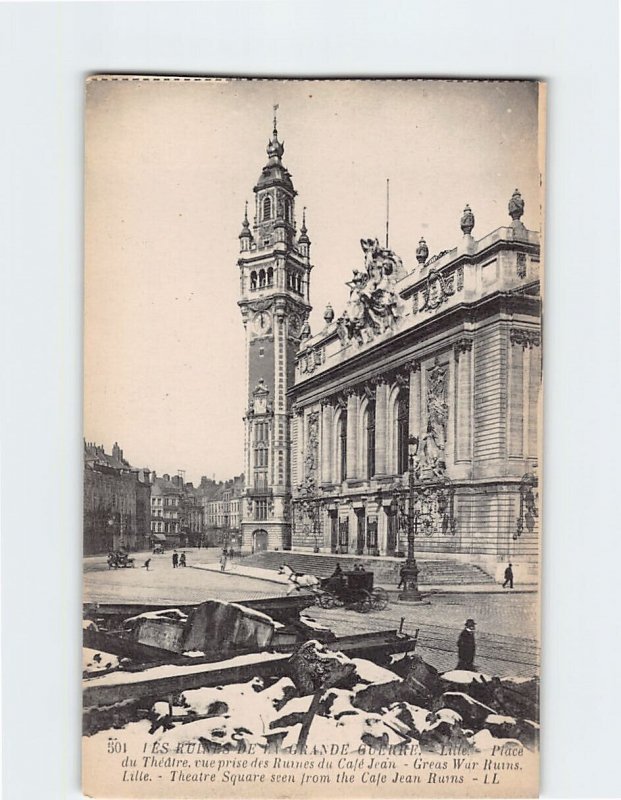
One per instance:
(503,620)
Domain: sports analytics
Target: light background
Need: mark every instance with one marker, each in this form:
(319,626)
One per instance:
(168,167)
(45,52)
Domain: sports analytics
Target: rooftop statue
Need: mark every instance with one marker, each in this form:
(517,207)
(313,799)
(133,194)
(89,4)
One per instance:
(374,306)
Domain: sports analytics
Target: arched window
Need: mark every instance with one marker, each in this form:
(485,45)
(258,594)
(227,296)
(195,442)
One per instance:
(343,445)
(370,434)
(253,280)
(267,207)
(261,278)
(403,430)
(270,276)
(298,284)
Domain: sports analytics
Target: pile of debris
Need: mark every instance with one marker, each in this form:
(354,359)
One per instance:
(328,697)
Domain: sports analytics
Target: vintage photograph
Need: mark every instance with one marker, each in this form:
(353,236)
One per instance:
(312,437)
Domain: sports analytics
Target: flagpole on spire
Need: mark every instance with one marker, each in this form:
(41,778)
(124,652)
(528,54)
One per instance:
(387,208)
(276,107)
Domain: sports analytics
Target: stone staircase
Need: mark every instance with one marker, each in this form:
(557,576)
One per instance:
(445,572)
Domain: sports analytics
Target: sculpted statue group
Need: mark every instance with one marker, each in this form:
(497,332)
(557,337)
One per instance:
(374,306)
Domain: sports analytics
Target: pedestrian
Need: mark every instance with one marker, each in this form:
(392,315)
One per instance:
(508,577)
(147,563)
(401,578)
(466,646)
(175,559)
(223,561)
(182,560)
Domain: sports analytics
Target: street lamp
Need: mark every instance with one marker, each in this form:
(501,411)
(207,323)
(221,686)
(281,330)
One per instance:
(409,571)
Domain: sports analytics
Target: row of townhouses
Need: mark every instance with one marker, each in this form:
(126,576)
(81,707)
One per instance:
(135,509)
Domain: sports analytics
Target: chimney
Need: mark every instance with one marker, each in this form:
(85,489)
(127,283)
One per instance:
(166,477)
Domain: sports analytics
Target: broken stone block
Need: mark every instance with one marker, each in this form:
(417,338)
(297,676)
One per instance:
(368,672)
(163,629)
(513,697)
(378,696)
(423,679)
(292,713)
(528,733)
(336,702)
(483,741)
(355,730)
(313,667)
(471,711)
(220,626)
(500,726)
(442,735)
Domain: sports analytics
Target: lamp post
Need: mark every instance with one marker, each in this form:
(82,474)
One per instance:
(409,571)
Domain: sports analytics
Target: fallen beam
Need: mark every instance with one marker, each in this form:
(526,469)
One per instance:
(172,679)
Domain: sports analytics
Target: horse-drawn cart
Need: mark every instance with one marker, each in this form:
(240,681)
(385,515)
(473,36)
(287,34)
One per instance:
(353,590)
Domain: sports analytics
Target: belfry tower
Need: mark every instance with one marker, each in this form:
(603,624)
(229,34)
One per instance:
(274,267)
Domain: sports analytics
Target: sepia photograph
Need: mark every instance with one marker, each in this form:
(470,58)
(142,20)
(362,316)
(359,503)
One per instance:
(312,486)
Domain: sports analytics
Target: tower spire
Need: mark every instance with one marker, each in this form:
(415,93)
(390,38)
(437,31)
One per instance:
(275,149)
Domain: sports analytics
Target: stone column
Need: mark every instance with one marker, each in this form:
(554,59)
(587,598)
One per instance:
(353,405)
(381,412)
(415,420)
(462,406)
(327,449)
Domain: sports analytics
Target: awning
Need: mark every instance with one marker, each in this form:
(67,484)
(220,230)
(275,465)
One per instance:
(158,537)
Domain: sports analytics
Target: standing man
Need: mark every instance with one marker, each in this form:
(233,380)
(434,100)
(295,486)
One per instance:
(508,577)
(175,559)
(466,646)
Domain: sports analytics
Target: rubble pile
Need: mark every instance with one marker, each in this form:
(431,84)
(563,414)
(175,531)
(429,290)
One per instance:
(327,697)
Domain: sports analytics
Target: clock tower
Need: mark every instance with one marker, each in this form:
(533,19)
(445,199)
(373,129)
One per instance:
(274,270)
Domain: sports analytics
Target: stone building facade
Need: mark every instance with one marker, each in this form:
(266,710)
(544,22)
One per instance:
(440,362)
(116,502)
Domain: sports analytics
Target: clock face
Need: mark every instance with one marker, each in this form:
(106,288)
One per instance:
(262,323)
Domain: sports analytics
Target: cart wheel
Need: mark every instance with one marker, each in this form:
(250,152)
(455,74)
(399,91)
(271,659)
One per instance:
(326,600)
(380,599)
(365,603)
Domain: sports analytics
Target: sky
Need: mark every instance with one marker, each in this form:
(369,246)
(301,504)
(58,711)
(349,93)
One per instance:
(168,167)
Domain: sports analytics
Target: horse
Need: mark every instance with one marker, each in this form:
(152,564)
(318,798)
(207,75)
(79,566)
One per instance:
(298,580)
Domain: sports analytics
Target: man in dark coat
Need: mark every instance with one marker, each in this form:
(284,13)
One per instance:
(175,559)
(508,577)
(466,646)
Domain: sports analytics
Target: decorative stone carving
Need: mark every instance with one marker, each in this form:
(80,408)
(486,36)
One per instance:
(305,331)
(297,410)
(525,337)
(415,366)
(435,291)
(516,206)
(328,314)
(528,505)
(311,359)
(312,448)
(467,221)
(434,440)
(438,256)
(462,345)
(521,265)
(369,390)
(340,400)
(374,306)
(459,283)
(422,252)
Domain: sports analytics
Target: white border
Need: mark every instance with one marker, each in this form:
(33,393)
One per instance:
(45,52)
